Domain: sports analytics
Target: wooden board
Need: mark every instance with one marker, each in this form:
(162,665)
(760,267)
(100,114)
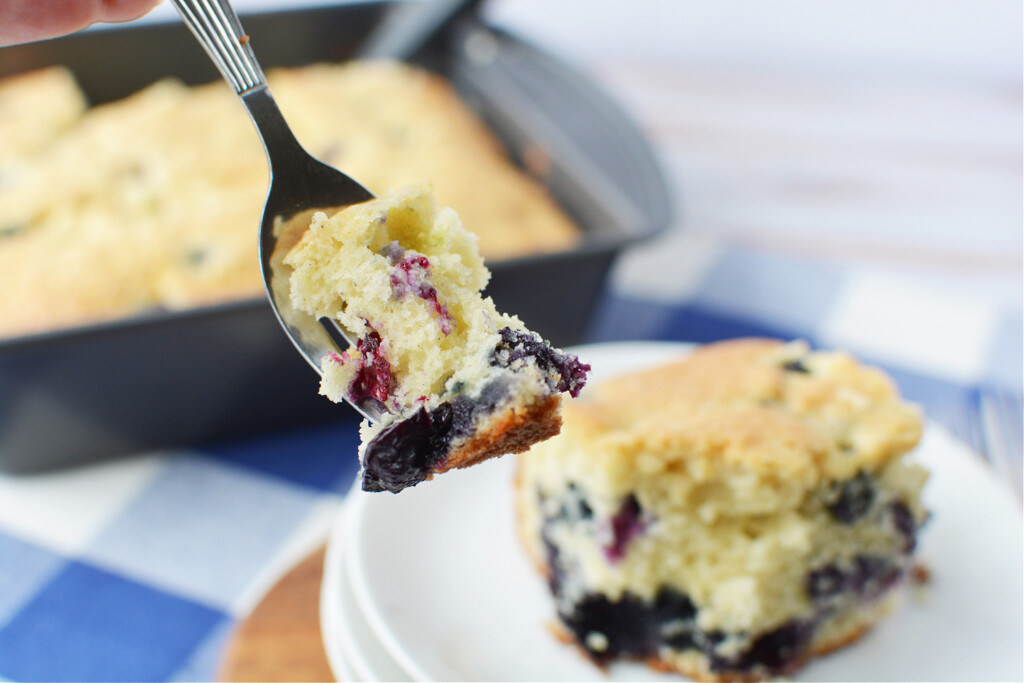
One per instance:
(280,640)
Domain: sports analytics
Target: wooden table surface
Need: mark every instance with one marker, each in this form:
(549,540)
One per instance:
(280,640)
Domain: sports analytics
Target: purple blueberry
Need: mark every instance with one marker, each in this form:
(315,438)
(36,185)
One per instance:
(872,576)
(851,499)
(636,628)
(411,276)
(826,582)
(405,453)
(904,523)
(626,524)
(564,371)
(393,252)
(867,577)
(373,376)
(774,652)
(631,626)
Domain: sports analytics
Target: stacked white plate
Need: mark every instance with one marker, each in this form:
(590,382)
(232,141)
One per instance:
(431,584)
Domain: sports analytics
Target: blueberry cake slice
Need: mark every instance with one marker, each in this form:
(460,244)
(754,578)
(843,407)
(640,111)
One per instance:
(727,515)
(457,381)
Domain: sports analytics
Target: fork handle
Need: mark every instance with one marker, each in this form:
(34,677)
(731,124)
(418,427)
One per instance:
(217,28)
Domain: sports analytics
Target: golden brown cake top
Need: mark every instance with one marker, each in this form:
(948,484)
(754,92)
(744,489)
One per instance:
(166,215)
(35,108)
(754,405)
(390,125)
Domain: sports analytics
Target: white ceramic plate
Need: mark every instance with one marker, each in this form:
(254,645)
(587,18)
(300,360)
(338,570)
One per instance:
(353,651)
(440,578)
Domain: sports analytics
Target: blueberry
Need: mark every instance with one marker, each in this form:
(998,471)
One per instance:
(775,651)
(411,276)
(466,410)
(404,453)
(393,252)
(636,628)
(872,576)
(373,377)
(575,506)
(851,499)
(674,613)
(565,372)
(826,582)
(867,577)
(556,572)
(707,641)
(627,523)
(626,625)
(904,523)
(670,605)
(796,366)
(632,627)
(680,640)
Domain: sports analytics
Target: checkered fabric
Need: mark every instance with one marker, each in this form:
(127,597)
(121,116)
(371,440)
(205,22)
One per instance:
(136,569)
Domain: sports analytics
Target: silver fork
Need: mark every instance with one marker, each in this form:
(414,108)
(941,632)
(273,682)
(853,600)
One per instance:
(299,184)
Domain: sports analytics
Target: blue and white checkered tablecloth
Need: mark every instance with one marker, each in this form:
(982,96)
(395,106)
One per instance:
(877,210)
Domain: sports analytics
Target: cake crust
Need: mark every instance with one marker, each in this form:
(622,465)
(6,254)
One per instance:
(513,431)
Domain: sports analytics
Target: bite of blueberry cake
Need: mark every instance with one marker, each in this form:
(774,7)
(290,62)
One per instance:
(456,381)
(727,515)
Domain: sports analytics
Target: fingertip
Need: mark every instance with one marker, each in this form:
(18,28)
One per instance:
(117,11)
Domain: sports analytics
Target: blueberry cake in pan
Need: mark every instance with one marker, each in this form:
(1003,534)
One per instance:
(152,201)
(727,515)
(456,381)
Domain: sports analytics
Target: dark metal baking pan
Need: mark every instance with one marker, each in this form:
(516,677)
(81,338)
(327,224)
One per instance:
(178,378)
